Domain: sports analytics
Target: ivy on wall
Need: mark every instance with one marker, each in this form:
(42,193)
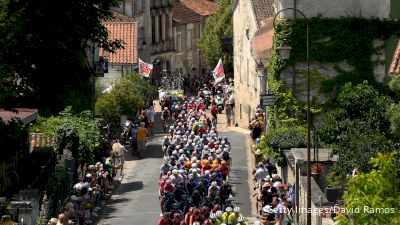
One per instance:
(331,41)
(348,39)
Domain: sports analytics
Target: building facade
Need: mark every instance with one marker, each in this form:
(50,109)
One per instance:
(168,31)
(124,60)
(139,10)
(252,20)
(188,25)
(249,20)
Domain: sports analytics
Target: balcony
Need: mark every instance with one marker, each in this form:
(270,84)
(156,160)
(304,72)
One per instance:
(162,47)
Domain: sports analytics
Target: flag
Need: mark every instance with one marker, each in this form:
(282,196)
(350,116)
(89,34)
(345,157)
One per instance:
(145,68)
(218,72)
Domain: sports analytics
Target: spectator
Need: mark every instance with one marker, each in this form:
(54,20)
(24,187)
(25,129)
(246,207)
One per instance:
(53,221)
(228,112)
(256,126)
(62,219)
(151,113)
(134,140)
(144,118)
(142,133)
(280,211)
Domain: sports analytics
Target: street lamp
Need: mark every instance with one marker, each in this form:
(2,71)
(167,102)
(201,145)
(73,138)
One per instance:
(284,52)
(284,49)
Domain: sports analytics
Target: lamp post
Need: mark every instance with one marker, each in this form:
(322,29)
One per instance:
(285,54)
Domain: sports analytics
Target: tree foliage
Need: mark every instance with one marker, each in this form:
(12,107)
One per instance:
(12,138)
(375,194)
(217,26)
(43,48)
(76,132)
(283,138)
(358,127)
(126,98)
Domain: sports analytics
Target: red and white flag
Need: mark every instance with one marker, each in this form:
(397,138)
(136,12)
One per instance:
(145,68)
(218,72)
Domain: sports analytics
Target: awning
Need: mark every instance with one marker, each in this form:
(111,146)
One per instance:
(25,115)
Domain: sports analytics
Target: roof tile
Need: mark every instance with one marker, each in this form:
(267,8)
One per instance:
(201,7)
(262,10)
(183,14)
(122,28)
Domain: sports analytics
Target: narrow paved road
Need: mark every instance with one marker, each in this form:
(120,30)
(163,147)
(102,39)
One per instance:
(135,201)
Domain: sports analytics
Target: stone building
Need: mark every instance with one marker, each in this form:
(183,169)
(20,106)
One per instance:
(124,60)
(140,11)
(252,43)
(188,24)
(162,37)
(168,33)
(252,33)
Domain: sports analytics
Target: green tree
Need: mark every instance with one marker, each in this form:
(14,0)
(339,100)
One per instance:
(394,109)
(77,132)
(148,92)
(376,190)
(218,25)
(43,47)
(358,127)
(124,99)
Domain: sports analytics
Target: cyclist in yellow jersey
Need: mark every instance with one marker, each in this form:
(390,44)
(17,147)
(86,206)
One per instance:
(225,215)
(241,221)
(233,217)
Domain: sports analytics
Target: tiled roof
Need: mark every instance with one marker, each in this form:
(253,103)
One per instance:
(118,17)
(262,10)
(182,14)
(123,28)
(201,7)
(395,66)
(24,114)
(262,41)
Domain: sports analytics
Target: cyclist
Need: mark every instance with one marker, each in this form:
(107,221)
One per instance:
(241,221)
(165,116)
(165,220)
(234,217)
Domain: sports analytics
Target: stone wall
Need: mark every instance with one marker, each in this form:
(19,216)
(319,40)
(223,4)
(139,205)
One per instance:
(189,57)
(115,73)
(336,8)
(295,77)
(247,84)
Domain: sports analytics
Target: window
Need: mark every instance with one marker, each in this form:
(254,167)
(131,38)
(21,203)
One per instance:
(240,68)
(190,39)
(240,111)
(247,73)
(139,6)
(178,42)
(141,37)
(159,28)
(153,29)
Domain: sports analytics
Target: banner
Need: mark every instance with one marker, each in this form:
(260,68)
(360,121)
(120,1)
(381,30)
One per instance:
(145,68)
(218,72)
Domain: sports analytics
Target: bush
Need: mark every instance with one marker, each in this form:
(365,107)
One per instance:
(76,132)
(125,98)
(287,137)
(280,139)
(359,127)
